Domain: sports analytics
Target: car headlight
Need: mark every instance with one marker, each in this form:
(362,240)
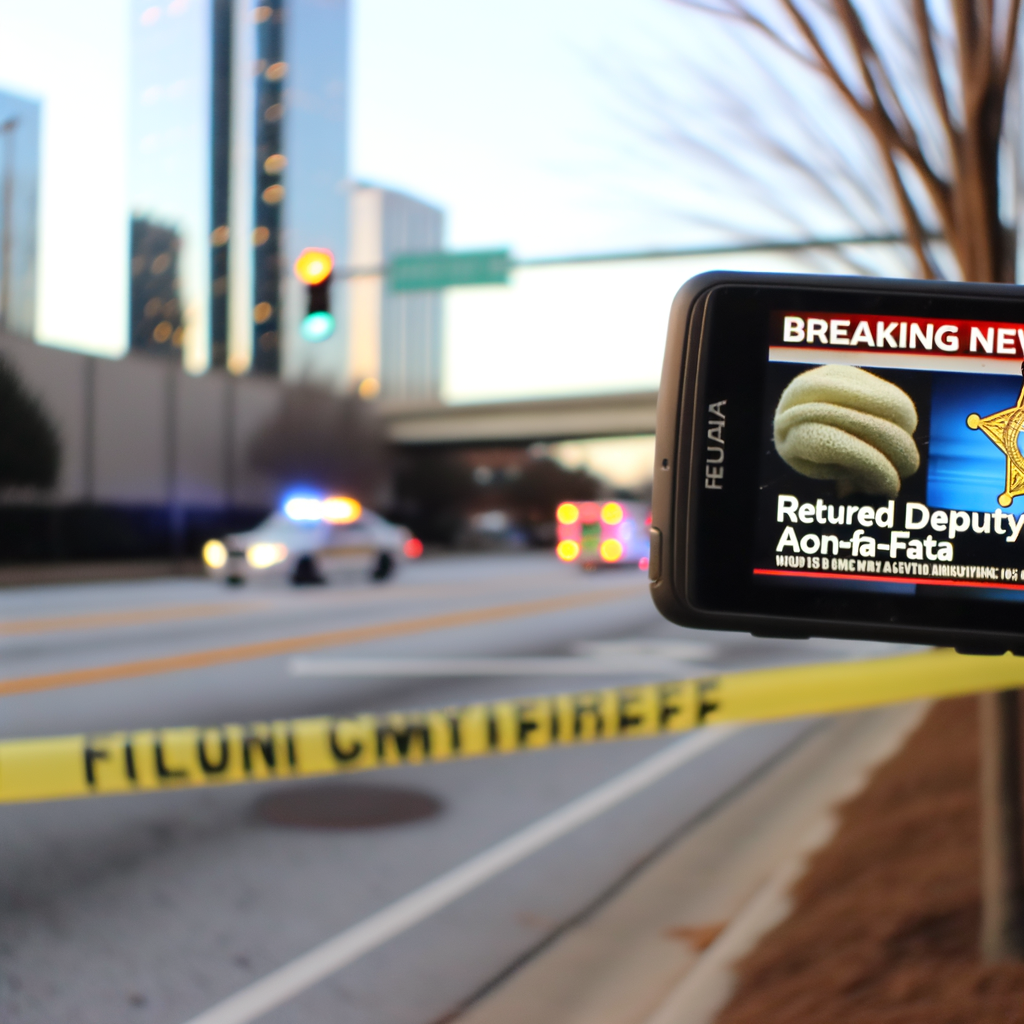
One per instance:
(264,555)
(215,555)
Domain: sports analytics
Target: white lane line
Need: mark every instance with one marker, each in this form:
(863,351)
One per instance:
(321,961)
(429,667)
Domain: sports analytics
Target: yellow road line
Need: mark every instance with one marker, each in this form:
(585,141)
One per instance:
(106,620)
(175,613)
(297,644)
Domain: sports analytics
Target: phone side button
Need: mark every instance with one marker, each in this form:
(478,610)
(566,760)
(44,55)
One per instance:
(654,565)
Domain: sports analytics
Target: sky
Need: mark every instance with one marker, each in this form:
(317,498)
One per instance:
(506,116)
(534,126)
(71,56)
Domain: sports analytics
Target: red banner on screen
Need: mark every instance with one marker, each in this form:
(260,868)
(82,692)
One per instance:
(978,346)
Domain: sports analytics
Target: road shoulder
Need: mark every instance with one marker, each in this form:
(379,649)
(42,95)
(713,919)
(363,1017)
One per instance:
(629,960)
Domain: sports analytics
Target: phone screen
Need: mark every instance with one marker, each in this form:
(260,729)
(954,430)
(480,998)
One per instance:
(843,457)
(890,454)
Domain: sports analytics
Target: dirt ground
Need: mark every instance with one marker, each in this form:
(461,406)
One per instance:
(885,928)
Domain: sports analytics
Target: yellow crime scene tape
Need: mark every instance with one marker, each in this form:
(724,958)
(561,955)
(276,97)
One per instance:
(97,764)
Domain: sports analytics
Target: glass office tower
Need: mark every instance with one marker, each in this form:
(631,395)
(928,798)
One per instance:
(156,224)
(300,166)
(168,180)
(19,187)
(394,338)
(238,160)
(222,18)
(270,164)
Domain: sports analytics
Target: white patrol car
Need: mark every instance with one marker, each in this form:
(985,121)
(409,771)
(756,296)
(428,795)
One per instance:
(312,540)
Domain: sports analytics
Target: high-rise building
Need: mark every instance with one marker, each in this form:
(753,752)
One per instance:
(300,199)
(19,186)
(169,143)
(270,164)
(236,138)
(394,337)
(222,30)
(238,145)
(154,319)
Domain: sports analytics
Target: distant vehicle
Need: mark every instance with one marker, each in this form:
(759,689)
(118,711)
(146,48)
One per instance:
(593,533)
(312,540)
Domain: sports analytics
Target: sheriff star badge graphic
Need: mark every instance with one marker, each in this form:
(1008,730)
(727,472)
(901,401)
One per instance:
(1002,429)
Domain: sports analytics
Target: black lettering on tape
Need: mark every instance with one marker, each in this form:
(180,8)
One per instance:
(92,755)
(402,735)
(706,689)
(129,760)
(161,768)
(492,730)
(525,727)
(669,707)
(586,705)
(454,731)
(627,721)
(344,755)
(209,766)
(556,721)
(264,744)
(292,758)
(678,701)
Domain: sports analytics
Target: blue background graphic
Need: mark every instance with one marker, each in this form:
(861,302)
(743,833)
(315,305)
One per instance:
(965,469)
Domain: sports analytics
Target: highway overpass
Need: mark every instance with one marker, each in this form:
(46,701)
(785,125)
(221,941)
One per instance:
(522,422)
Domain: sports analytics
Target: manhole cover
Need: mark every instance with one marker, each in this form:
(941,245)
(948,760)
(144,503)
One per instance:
(341,805)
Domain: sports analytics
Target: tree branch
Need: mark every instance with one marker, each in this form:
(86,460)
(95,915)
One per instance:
(1005,60)
(874,115)
(934,76)
(932,100)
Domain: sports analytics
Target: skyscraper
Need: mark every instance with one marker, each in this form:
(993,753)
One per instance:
(394,337)
(168,180)
(221,54)
(19,185)
(301,171)
(154,319)
(239,146)
(271,70)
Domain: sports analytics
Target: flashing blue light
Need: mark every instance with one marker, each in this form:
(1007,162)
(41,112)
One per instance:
(303,509)
(317,327)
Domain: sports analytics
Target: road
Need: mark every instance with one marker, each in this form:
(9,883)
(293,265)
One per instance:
(157,908)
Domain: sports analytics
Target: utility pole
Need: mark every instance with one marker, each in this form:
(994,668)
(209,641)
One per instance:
(7,130)
(1002,829)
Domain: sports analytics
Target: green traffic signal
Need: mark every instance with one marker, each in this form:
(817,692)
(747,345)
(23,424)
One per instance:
(317,326)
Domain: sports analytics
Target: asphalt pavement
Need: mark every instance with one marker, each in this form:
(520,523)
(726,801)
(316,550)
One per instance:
(197,906)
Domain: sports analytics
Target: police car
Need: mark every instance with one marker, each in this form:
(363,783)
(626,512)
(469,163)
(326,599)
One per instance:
(312,540)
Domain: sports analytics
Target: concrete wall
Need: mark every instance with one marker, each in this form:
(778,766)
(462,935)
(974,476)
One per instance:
(140,431)
(59,380)
(130,431)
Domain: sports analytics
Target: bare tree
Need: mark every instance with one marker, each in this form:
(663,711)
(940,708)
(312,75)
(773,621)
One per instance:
(926,90)
(326,441)
(29,442)
(926,87)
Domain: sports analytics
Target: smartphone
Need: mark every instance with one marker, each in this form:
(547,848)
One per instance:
(841,457)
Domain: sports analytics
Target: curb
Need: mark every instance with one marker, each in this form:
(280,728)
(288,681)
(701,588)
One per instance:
(709,985)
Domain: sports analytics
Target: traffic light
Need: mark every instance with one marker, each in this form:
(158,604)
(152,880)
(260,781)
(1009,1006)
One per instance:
(313,268)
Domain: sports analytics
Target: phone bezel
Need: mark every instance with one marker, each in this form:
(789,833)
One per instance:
(691,361)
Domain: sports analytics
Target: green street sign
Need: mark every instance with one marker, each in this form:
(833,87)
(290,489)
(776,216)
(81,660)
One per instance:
(429,271)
